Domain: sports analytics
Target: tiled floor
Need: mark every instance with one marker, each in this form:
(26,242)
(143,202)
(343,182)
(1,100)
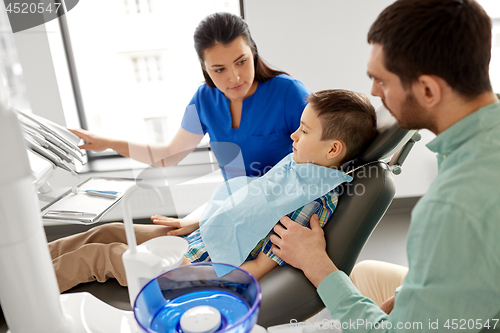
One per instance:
(387,243)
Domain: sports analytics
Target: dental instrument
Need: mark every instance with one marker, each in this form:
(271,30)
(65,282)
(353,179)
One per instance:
(97,193)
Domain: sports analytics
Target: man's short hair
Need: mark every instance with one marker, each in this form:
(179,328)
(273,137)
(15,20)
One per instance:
(447,38)
(346,116)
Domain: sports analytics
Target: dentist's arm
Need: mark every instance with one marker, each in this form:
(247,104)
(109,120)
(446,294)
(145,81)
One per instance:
(164,155)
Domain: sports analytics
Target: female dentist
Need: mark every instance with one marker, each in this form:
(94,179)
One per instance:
(243,102)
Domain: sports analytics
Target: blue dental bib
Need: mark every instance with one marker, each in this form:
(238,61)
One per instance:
(243,210)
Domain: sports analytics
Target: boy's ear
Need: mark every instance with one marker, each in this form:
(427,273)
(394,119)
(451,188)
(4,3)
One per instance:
(337,148)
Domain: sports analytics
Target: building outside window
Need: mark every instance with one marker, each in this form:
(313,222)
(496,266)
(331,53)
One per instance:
(11,71)
(492,8)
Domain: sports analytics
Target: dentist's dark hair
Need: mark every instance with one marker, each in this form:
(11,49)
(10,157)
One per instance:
(447,38)
(224,28)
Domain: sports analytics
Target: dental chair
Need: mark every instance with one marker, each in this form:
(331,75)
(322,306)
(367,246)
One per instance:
(287,294)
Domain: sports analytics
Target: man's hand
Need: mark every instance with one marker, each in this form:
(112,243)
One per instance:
(388,305)
(296,244)
(303,248)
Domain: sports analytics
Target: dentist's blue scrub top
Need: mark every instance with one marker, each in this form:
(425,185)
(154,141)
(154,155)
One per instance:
(268,118)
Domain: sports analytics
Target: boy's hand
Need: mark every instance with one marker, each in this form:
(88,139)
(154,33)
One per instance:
(183,226)
(303,248)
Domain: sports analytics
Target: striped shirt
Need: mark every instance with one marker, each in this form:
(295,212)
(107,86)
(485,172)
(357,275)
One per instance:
(323,207)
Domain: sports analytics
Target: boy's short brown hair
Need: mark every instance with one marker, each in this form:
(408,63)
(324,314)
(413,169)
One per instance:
(346,116)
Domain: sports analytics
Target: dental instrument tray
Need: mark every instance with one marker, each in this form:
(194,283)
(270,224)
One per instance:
(52,142)
(87,202)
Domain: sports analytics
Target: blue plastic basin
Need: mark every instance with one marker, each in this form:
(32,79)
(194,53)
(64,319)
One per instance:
(161,303)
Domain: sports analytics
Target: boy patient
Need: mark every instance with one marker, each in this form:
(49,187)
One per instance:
(335,127)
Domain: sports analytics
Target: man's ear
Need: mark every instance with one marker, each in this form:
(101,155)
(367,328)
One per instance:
(428,90)
(337,148)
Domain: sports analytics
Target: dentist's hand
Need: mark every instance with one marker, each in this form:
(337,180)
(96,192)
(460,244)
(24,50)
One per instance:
(183,226)
(94,142)
(303,248)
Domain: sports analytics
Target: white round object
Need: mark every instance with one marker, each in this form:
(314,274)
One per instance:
(201,319)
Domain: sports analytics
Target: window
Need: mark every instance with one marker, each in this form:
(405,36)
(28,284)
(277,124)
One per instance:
(495,57)
(10,67)
(136,65)
(492,8)
(137,6)
(147,68)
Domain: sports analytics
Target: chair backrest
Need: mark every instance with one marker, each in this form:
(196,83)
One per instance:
(286,292)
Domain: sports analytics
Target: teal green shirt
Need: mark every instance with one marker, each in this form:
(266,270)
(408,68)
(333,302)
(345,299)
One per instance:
(453,244)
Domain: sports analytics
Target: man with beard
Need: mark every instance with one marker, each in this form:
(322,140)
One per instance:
(429,64)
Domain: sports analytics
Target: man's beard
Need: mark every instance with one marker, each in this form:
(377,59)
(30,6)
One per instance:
(412,116)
